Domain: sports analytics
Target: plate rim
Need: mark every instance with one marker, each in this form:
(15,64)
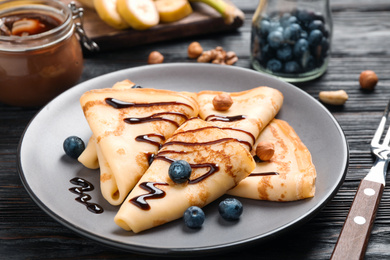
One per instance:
(198,251)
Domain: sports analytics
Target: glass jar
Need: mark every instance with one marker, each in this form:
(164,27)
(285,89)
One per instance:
(291,39)
(36,66)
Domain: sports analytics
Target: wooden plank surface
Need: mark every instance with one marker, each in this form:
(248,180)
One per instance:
(203,20)
(361,41)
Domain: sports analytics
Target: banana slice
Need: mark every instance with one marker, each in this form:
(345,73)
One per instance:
(139,14)
(107,11)
(173,10)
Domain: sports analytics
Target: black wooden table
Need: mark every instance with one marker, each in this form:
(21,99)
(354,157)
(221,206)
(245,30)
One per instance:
(361,41)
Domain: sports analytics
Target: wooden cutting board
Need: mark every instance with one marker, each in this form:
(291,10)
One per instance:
(203,20)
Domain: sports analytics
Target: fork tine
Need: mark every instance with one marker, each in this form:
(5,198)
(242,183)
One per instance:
(387,137)
(381,127)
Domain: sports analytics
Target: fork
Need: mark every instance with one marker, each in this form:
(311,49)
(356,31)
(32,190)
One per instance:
(353,239)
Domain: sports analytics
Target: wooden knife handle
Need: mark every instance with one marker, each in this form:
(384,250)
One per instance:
(353,239)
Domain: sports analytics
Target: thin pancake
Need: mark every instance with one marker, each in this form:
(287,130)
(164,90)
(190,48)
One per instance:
(289,175)
(128,130)
(218,163)
(250,112)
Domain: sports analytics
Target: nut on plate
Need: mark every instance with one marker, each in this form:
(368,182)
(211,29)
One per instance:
(338,97)
(155,57)
(194,50)
(265,150)
(368,80)
(222,102)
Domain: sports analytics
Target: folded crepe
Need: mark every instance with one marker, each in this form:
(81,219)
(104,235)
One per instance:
(89,157)
(129,125)
(218,161)
(250,112)
(289,175)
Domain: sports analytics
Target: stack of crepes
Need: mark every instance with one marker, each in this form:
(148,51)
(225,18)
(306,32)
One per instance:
(139,132)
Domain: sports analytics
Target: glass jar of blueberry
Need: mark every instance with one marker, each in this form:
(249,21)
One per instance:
(291,38)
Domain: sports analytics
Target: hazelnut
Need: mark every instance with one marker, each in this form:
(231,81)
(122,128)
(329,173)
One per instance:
(368,80)
(338,97)
(231,58)
(265,150)
(222,102)
(194,50)
(205,57)
(155,57)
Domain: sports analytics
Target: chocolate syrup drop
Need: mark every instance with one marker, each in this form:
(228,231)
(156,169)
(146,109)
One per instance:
(84,198)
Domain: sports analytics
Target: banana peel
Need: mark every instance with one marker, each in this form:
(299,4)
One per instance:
(228,11)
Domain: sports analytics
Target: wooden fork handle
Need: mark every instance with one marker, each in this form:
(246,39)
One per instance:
(353,239)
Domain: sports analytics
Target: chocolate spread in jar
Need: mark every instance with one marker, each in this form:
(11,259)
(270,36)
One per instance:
(40,57)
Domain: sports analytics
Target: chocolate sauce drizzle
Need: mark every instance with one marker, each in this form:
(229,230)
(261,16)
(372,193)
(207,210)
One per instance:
(212,168)
(116,103)
(84,198)
(226,139)
(154,193)
(147,139)
(254,174)
(212,118)
(224,118)
(155,117)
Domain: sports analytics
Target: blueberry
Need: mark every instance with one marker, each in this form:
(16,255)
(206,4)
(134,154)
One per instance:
(230,209)
(73,146)
(292,67)
(317,24)
(194,217)
(288,19)
(304,34)
(275,26)
(319,16)
(292,32)
(284,19)
(324,47)
(179,171)
(267,52)
(275,39)
(315,37)
(305,16)
(274,65)
(136,86)
(300,47)
(308,62)
(265,27)
(292,19)
(284,53)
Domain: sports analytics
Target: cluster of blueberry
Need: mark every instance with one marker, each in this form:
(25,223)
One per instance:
(229,209)
(291,43)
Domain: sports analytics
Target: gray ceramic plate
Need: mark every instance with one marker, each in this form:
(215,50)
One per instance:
(46,171)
